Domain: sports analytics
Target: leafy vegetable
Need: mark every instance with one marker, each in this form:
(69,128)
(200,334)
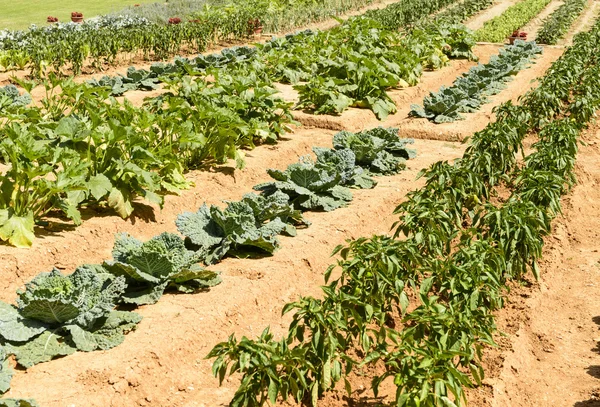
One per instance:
(241,228)
(10,95)
(516,16)
(470,91)
(378,150)
(55,312)
(308,187)
(156,265)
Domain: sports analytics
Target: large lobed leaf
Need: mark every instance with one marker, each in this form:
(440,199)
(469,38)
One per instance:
(153,266)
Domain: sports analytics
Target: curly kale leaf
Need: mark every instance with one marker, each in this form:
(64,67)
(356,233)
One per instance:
(80,298)
(343,161)
(308,187)
(11,93)
(378,150)
(153,266)
(6,373)
(277,205)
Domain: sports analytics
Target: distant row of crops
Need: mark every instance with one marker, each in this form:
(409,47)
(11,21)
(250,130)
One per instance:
(76,151)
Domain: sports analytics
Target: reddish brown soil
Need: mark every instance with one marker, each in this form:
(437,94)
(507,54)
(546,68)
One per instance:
(549,356)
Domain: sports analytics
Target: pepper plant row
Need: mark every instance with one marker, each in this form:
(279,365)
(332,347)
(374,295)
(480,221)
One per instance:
(558,23)
(499,28)
(470,91)
(57,314)
(423,306)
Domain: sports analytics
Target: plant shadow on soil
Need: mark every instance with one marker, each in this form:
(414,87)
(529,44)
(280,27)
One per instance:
(364,401)
(594,371)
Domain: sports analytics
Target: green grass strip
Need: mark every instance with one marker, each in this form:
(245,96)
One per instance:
(515,17)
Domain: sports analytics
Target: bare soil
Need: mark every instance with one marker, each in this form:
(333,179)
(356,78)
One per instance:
(548,357)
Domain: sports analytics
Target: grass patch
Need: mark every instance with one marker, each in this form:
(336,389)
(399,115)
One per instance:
(20,14)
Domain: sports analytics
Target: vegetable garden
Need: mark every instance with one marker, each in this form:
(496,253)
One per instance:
(148,238)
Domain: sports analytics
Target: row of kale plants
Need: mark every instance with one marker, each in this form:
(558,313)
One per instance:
(57,315)
(470,91)
(421,308)
(77,150)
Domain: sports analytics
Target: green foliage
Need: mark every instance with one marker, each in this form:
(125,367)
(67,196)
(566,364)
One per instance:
(57,314)
(515,17)
(106,39)
(355,63)
(459,12)
(10,95)
(556,25)
(6,373)
(458,257)
(134,80)
(378,150)
(470,91)
(308,187)
(10,402)
(236,230)
(156,265)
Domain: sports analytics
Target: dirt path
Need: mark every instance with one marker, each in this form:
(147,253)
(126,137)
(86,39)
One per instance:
(476,22)
(583,23)
(533,26)
(552,354)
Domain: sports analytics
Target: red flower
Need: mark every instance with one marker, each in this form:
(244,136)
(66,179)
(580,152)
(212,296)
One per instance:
(174,20)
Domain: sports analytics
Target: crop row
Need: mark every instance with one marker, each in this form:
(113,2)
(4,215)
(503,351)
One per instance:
(470,91)
(143,79)
(76,150)
(58,314)
(103,40)
(423,306)
(83,152)
(500,27)
(559,22)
